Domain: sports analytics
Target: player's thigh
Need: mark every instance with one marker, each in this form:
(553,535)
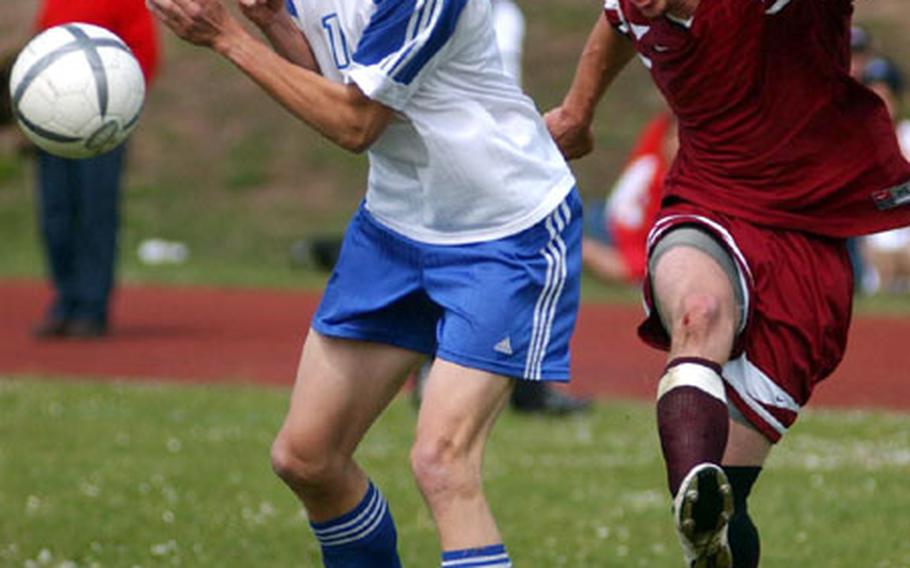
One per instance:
(342,386)
(459,407)
(746,446)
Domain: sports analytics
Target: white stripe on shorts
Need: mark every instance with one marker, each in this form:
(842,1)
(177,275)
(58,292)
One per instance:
(756,388)
(545,309)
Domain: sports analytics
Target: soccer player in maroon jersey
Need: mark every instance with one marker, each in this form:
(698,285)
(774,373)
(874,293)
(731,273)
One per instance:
(782,156)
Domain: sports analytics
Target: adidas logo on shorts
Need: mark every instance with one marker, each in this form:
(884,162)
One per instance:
(504,346)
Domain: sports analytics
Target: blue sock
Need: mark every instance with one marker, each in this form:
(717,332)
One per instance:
(493,556)
(362,538)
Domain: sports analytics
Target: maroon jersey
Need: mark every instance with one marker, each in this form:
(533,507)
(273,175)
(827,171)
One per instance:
(772,128)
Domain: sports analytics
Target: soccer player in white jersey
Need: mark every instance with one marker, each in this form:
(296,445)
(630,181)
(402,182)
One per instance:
(467,246)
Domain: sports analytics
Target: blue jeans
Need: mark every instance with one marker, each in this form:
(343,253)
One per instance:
(79,202)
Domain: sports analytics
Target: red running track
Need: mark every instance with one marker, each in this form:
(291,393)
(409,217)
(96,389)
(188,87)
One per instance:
(200,334)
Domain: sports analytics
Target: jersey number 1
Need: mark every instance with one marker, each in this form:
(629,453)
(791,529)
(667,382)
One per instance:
(339,43)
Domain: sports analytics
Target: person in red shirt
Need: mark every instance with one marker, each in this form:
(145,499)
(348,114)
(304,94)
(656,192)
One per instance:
(79,199)
(614,250)
(783,155)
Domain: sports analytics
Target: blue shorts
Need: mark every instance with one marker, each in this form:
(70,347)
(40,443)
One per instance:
(506,306)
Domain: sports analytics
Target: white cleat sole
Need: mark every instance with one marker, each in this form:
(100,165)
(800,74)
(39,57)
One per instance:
(702,508)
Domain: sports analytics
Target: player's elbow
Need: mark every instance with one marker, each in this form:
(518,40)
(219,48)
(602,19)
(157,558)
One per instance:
(363,122)
(356,138)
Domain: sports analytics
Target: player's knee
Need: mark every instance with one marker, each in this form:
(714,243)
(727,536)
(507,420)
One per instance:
(302,466)
(441,467)
(699,314)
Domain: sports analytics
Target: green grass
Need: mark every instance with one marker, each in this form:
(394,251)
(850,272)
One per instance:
(153,475)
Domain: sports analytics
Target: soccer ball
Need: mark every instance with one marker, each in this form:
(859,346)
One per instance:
(77,90)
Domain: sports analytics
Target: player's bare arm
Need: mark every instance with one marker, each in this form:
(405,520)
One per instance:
(606,53)
(341,113)
(271,17)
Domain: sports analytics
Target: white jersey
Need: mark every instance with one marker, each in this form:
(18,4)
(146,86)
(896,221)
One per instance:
(467,157)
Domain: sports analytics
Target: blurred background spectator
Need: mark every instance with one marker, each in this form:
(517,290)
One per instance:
(613,249)
(861,50)
(888,254)
(79,200)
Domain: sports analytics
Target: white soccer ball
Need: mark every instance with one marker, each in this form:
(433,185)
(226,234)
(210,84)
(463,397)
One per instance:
(77,90)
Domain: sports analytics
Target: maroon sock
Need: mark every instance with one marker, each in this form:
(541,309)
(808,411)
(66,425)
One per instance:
(693,427)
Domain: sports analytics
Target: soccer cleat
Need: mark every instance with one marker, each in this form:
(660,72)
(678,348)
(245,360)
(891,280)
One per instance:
(702,508)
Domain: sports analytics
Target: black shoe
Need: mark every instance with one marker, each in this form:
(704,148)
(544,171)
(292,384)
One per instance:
(86,329)
(51,328)
(541,398)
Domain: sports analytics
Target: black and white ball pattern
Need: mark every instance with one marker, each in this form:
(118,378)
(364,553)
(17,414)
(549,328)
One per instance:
(77,90)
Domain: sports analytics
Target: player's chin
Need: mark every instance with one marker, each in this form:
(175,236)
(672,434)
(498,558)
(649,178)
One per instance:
(651,8)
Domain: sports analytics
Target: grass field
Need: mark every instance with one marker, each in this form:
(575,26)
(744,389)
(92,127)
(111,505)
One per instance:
(152,475)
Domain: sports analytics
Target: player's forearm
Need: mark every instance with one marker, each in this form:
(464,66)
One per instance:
(605,54)
(290,43)
(339,112)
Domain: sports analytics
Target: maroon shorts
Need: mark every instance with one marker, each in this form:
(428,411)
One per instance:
(798,290)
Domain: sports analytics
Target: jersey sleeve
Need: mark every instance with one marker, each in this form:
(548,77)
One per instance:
(291,8)
(400,45)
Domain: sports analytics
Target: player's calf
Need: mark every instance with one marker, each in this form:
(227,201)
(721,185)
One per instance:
(364,537)
(692,417)
(742,533)
(693,423)
(448,475)
(361,537)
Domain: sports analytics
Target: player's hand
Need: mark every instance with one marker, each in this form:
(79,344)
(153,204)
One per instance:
(263,13)
(200,22)
(574,137)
